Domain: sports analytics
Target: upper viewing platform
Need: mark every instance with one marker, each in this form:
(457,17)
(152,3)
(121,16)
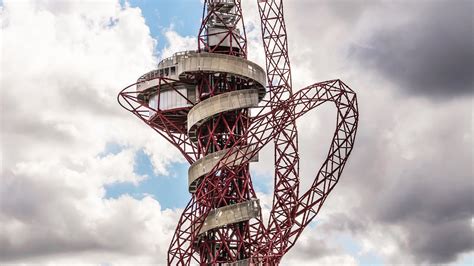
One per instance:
(171,88)
(183,65)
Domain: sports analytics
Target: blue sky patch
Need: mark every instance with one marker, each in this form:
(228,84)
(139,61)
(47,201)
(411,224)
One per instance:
(185,16)
(111,148)
(261,183)
(170,190)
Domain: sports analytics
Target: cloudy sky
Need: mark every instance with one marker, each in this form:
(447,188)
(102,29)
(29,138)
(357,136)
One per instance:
(83,181)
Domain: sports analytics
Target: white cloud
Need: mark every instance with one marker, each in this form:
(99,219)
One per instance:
(63,64)
(177,43)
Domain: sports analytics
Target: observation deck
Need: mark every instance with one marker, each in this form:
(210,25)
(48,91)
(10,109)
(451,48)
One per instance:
(175,94)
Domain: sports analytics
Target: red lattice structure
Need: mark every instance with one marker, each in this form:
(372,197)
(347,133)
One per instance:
(200,101)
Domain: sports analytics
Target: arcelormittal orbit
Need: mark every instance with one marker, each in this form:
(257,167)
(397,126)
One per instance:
(200,101)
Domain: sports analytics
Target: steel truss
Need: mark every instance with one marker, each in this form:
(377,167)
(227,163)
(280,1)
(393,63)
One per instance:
(201,236)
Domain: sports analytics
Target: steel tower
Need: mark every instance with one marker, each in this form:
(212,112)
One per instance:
(200,102)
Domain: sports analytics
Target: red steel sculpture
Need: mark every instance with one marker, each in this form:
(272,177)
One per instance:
(200,101)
